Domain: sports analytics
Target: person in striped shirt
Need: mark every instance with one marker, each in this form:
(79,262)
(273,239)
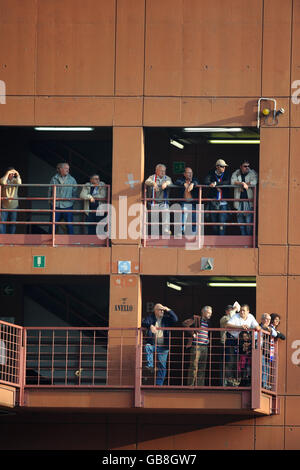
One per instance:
(198,344)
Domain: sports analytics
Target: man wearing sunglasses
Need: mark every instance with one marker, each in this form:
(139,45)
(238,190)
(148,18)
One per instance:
(243,178)
(157,340)
(216,178)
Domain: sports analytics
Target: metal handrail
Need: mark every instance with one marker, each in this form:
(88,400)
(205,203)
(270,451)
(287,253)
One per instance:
(52,209)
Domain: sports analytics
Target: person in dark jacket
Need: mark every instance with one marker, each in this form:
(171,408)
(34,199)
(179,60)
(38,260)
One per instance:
(157,340)
(275,320)
(215,179)
(189,191)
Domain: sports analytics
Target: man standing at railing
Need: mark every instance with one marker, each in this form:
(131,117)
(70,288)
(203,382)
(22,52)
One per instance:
(93,193)
(243,320)
(215,179)
(227,355)
(242,179)
(189,192)
(157,341)
(65,206)
(198,343)
(159,193)
(266,349)
(9,183)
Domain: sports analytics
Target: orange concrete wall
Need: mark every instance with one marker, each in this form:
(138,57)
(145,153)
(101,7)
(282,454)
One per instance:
(134,63)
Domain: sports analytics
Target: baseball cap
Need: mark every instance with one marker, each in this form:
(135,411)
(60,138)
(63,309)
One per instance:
(221,162)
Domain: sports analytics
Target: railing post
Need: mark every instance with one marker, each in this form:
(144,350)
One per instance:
(199,218)
(145,234)
(254,217)
(109,231)
(138,369)
(53,215)
(256,371)
(22,372)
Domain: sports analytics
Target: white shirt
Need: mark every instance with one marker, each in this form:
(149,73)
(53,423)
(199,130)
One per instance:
(237,320)
(2,353)
(160,333)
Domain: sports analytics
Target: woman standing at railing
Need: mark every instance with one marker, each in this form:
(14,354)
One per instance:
(10,181)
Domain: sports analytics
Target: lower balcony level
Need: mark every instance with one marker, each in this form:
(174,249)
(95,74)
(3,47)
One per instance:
(107,369)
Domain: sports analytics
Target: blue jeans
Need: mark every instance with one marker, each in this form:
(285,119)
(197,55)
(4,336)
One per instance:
(162,356)
(68,217)
(190,217)
(246,218)
(265,372)
(11,228)
(92,217)
(222,218)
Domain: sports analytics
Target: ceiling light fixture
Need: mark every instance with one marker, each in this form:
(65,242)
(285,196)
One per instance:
(176,144)
(64,128)
(173,286)
(236,141)
(231,284)
(212,129)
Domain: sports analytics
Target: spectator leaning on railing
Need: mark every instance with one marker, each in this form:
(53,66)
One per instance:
(93,193)
(189,191)
(217,177)
(243,320)
(229,376)
(61,179)
(159,193)
(198,342)
(242,179)
(9,183)
(266,349)
(158,340)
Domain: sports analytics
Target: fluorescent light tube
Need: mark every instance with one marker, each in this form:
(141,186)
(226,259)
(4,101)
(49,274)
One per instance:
(176,144)
(173,286)
(212,129)
(232,284)
(64,128)
(237,141)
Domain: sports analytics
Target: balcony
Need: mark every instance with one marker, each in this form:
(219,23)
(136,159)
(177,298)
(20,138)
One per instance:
(195,218)
(105,368)
(39,218)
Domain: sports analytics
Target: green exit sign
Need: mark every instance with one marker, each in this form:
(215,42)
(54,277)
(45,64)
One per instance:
(39,261)
(178,167)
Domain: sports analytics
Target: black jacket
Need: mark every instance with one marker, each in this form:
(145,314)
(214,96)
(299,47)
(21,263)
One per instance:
(211,177)
(169,319)
(195,192)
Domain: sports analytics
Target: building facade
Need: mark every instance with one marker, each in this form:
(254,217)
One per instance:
(135,67)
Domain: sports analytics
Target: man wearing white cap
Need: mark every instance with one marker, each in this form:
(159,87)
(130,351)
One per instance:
(216,178)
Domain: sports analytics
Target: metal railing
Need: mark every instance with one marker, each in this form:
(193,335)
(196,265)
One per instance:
(126,358)
(238,361)
(194,215)
(41,216)
(12,353)
(99,357)
(80,357)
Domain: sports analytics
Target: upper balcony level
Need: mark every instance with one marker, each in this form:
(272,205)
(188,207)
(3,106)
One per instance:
(123,368)
(200,221)
(49,215)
